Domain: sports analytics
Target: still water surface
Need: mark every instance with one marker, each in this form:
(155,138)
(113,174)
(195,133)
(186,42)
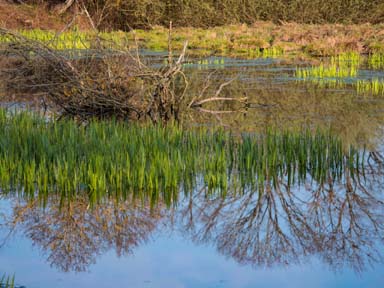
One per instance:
(295,238)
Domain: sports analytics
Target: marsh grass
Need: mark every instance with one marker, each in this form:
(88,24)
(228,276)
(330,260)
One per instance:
(373,87)
(272,52)
(64,41)
(7,282)
(322,71)
(376,61)
(112,159)
(342,72)
(262,39)
(74,39)
(339,67)
(156,40)
(349,59)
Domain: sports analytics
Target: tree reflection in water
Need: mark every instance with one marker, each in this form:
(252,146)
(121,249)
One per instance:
(73,236)
(342,223)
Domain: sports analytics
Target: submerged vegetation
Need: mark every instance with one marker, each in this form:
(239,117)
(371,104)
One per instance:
(114,159)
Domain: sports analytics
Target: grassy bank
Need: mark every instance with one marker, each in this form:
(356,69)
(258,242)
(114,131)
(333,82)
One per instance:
(251,41)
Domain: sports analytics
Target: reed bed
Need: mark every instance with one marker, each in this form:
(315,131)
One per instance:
(154,40)
(73,39)
(342,69)
(272,52)
(64,41)
(261,40)
(112,159)
(349,59)
(373,87)
(322,71)
(60,41)
(7,281)
(376,61)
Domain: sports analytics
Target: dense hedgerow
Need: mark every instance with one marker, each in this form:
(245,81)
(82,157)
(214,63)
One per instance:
(125,14)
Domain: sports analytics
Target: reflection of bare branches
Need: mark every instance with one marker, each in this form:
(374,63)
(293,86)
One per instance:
(73,236)
(341,222)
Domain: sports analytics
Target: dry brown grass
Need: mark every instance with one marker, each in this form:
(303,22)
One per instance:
(14,16)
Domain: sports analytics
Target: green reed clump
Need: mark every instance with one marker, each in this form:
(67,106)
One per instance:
(376,61)
(72,39)
(336,75)
(156,40)
(64,41)
(106,158)
(349,59)
(125,161)
(218,63)
(292,157)
(374,87)
(322,71)
(272,52)
(7,282)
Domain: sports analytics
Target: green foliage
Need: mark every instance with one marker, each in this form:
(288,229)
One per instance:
(321,71)
(376,61)
(374,87)
(344,65)
(7,282)
(113,159)
(341,67)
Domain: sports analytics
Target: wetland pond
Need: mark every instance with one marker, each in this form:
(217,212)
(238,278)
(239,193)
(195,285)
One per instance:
(289,192)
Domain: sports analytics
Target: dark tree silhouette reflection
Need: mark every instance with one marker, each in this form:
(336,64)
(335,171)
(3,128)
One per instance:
(73,236)
(342,223)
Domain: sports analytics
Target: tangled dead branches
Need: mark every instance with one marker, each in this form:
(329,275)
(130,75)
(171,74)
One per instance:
(99,82)
(103,83)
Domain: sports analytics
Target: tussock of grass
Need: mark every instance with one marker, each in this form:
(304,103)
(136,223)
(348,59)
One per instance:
(321,71)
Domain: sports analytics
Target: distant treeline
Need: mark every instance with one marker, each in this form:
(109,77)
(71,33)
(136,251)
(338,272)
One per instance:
(123,14)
